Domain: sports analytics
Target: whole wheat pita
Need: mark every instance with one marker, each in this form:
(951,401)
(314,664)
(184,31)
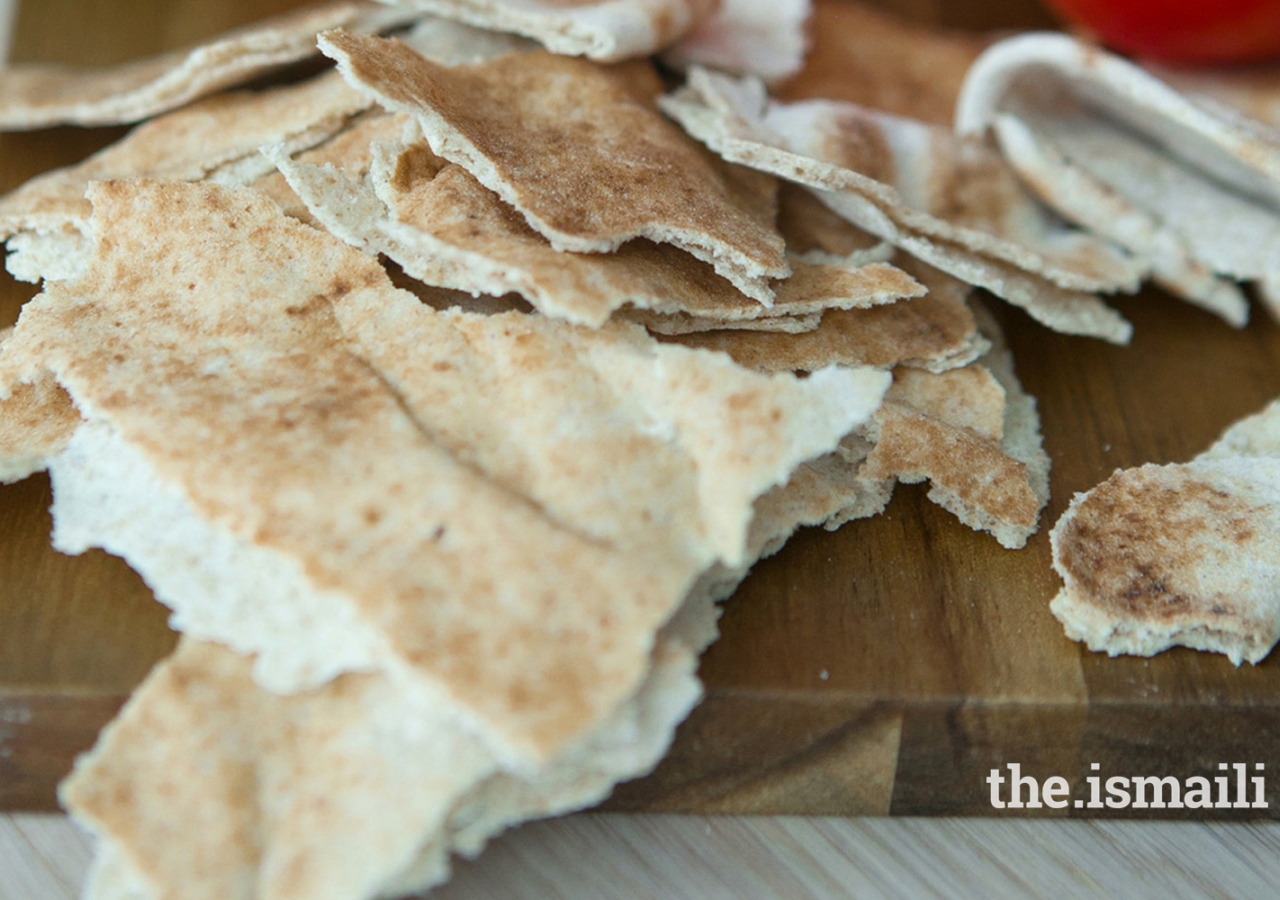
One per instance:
(39,95)
(37,419)
(580,151)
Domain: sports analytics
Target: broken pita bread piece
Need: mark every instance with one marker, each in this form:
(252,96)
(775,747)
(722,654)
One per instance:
(580,151)
(603,30)
(357,744)
(1198,181)
(294,496)
(446,229)
(748,37)
(40,95)
(1178,555)
(934,332)
(216,139)
(736,119)
(815,234)
(683,323)
(37,419)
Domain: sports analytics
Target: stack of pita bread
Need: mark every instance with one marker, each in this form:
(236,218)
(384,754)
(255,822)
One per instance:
(1181,169)
(442,396)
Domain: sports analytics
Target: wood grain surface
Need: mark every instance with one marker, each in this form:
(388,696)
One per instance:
(881,669)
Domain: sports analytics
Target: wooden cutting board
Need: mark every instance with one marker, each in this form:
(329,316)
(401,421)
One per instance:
(881,669)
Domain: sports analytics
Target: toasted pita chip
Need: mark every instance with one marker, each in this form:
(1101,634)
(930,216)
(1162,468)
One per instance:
(1179,555)
(300,480)
(1206,173)
(730,117)
(445,228)
(748,37)
(580,152)
(869,57)
(604,30)
(39,95)
(37,419)
(973,433)
(934,332)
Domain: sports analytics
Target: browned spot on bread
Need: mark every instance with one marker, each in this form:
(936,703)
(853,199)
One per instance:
(1132,547)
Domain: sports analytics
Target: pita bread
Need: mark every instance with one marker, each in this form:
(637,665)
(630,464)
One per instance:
(597,188)
(867,56)
(682,323)
(40,95)
(318,763)
(730,117)
(340,362)
(1091,203)
(604,30)
(1200,174)
(37,419)
(1242,153)
(934,332)
(1178,555)
(748,37)
(445,228)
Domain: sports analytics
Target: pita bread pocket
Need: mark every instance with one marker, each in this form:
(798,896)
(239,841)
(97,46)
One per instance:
(38,95)
(733,118)
(329,531)
(1196,180)
(579,150)
(603,30)
(445,228)
(748,37)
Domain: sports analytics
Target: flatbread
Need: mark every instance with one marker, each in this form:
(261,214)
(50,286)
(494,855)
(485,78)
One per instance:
(1179,555)
(580,151)
(303,490)
(730,117)
(748,37)
(1193,178)
(443,227)
(40,95)
(1091,203)
(217,139)
(603,30)
(935,332)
